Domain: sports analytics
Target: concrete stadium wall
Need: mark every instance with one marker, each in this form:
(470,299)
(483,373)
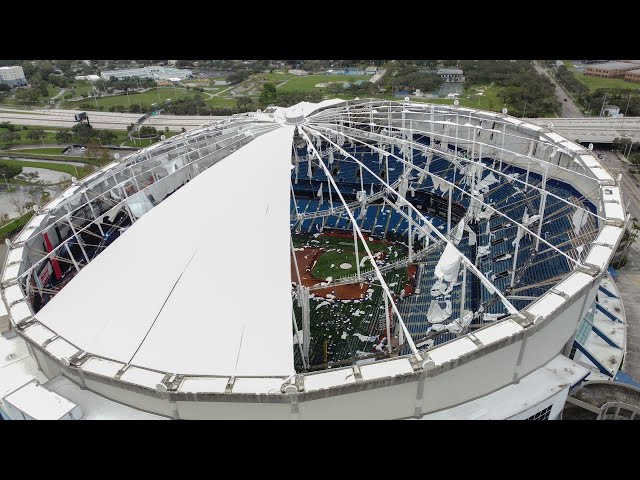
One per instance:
(408,395)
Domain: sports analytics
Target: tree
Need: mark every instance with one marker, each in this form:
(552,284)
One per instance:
(63,136)
(27,95)
(83,132)
(238,76)
(4,88)
(8,138)
(10,171)
(244,104)
(95,151)
(9,126)
(106,137)
(36,135)
(269,94)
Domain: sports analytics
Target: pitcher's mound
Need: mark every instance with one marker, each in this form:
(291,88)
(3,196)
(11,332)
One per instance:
(345,266)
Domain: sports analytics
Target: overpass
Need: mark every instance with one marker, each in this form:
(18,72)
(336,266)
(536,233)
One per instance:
(592,129)
(108,120)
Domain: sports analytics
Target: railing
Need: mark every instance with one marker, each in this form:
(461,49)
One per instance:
(617,408)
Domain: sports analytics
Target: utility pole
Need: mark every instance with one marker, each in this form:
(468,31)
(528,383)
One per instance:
(603,104)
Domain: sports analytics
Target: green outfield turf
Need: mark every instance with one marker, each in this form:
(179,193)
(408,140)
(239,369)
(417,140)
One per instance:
(341,250)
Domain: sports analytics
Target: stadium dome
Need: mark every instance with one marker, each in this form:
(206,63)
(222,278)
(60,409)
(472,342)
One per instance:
(346,259)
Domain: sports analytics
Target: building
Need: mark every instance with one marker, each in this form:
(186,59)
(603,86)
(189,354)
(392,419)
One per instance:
(633,75)
(451,75)
(155,72)
(346,71)
(370,70)
(298,72)
(88,78)
(13,76)
(610,69)
(611,111)
(481,322)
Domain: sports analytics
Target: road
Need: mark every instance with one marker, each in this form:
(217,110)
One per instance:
(569,108)
(109,120)
(592,129)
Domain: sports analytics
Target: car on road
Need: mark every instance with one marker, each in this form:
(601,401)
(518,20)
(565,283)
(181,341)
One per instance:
(565,99)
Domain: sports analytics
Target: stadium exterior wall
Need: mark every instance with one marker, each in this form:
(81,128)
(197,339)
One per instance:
(408,395)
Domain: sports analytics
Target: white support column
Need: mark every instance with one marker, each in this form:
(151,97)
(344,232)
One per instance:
(543,203)
(295,202)
(386,165)
(388,323)
(305,340)
(449,210)
(504,131)
(410,236)
(75,264)
(515,263)
(526,179)
(303,292)
(135,180)
(456,142)
(355,244)
(463,295)
(404,153)
(78,239)
(95,215)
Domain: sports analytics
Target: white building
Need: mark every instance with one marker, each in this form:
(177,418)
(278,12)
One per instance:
(451,75)
(13,76)
(612,111)
(155,72)
(88,78)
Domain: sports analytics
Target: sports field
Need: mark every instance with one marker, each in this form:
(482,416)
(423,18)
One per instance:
(345,319)
(310,81)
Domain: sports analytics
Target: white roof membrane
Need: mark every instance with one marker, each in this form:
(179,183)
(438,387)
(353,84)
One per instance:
(190,289)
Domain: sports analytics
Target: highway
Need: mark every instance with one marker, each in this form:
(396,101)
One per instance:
(569,109)
(109,120)
(592,129)
(586,129)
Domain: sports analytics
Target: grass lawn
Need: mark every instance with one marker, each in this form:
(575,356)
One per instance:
(50,137)
(80,87)
(53,91)
(58,167)
(159,95)
(309,82)
(275,77)
(15,224)
(220,102)
(594,83)
(40,151)
(22,112)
